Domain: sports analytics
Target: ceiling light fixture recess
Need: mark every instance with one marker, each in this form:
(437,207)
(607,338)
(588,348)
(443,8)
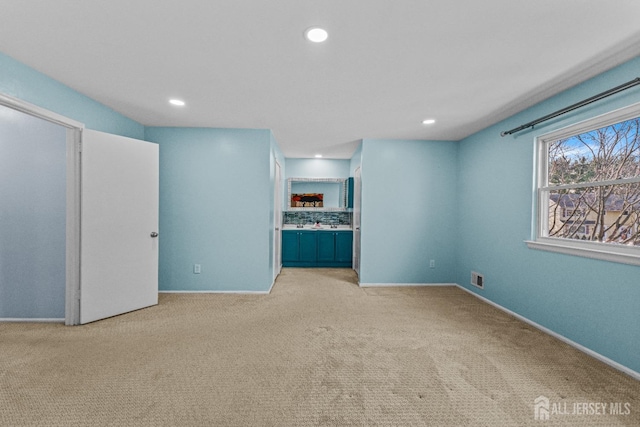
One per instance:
(176,102)
(428,121)
(318,156)
(316,34)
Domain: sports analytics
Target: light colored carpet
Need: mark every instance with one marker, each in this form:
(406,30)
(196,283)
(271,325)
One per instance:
(318,350)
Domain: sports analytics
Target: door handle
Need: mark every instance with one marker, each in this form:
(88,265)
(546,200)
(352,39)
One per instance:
(154,234)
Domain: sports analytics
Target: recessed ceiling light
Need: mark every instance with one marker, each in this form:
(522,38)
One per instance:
(428,121)
(176,102)
(318,156)
(316,35)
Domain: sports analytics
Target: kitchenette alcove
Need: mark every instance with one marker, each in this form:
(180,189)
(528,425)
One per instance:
(317,226)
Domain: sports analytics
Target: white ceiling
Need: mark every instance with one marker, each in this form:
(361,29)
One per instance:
(386,66)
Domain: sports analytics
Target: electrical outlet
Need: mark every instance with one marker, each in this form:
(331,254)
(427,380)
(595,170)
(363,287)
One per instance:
(196,269)
(432,263)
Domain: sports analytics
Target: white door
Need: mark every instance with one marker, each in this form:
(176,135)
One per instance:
(357,208)
(119,225)
(277,213)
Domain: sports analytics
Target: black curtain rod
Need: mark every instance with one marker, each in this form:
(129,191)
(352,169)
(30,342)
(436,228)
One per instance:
(577,105)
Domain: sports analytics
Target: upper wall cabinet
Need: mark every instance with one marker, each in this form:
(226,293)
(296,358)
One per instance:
(320,194)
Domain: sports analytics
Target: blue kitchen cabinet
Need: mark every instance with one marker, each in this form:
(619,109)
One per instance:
(344,247)
(299,248)
(290,246)
(308,246)
(349,203)
(326,246)
(316,248)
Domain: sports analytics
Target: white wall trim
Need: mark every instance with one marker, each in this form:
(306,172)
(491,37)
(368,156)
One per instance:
(29,320)
(633,374)
(274,281)
(602,251)
(276,276)
(391,285)
(37,111)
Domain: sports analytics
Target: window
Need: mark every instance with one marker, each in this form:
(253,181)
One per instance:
(588,194)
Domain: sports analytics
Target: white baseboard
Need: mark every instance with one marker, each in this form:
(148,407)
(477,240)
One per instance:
(274,279)
(390,285)
(36,320)
(600,357)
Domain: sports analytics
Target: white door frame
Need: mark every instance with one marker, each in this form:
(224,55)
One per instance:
(357,216)
(74,145)
(277,219)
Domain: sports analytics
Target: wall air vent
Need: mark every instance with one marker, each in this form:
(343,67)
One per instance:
(477,280)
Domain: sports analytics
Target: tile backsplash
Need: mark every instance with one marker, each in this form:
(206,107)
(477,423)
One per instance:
(311,217)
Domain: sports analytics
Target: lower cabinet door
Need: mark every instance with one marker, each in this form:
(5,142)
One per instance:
(308,246)
(344,246)
(326,246)
(290,246)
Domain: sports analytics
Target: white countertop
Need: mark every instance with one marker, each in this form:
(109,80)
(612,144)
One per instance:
(323,227)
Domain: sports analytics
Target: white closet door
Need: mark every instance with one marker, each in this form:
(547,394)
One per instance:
(119,219)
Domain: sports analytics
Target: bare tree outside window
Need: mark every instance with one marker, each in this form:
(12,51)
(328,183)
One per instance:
(594,185)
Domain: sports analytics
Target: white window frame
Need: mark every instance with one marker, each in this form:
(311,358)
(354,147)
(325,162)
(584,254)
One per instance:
(540,238)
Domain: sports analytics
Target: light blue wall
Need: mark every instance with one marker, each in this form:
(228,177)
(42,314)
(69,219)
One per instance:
(408,210)
(25,83)
(317,168)
(216,208)
(32,216)
(594,303)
